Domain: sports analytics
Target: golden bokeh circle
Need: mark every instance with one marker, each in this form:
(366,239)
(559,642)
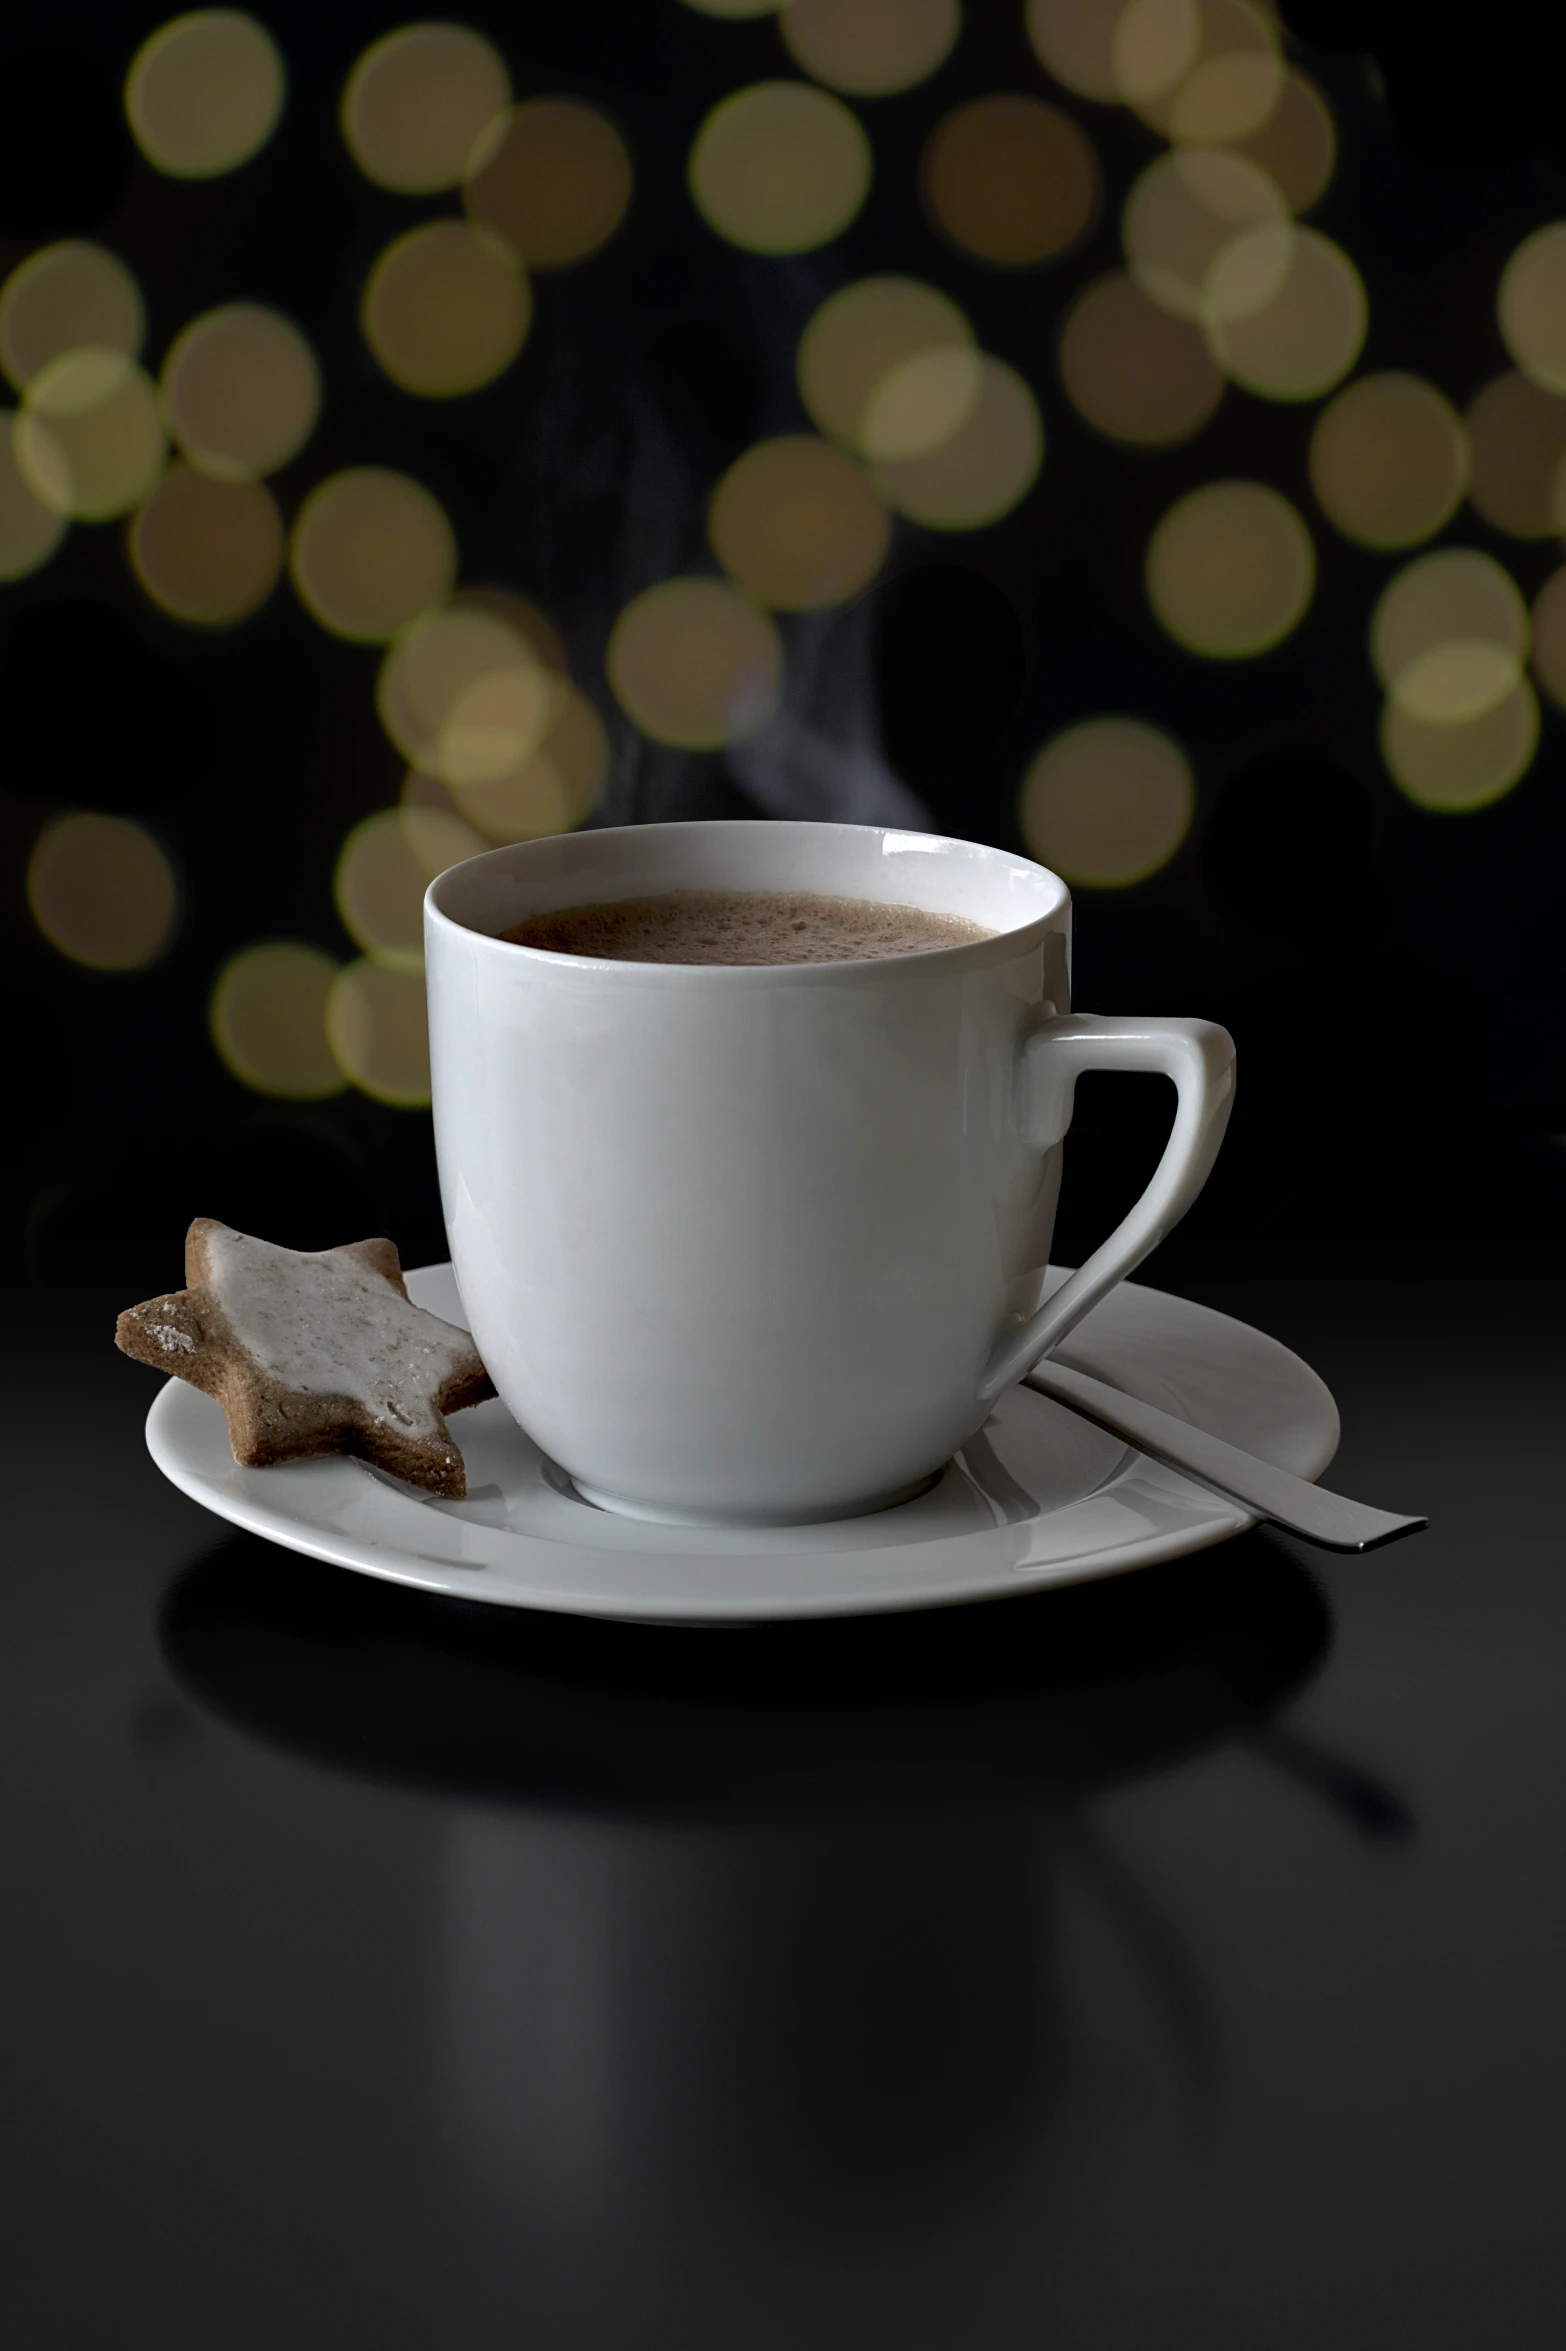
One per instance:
(465,697)
(102,891)
(205,92)
(209,552)
(551,789)
(780,167)
(88,437)
(858,340)
(1074,41)
(1107,802)
(1190,232)
(796,522)
(554,179)
(529,620)
(1531,306)
(417,104)
(1233,83)
(1449,636)
(985,467)
(378,1030)
(1549,637)
(1297,146)
(1389,460)
(268,1021)
(1518,434)
(695,663)
(446,309)
(870,48)
(1121,52)
(30,531)
(1134,370)
(62,298)
(1230,570)
(241,391)
(922,403)
(1309,332)
(1456,768)
(370,550)
(1009,180)
(386,864)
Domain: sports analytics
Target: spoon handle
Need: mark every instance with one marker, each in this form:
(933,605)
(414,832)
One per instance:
(1273,1494)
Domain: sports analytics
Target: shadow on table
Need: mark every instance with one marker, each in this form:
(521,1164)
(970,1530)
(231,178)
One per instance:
(1064,1692)
(783,1923)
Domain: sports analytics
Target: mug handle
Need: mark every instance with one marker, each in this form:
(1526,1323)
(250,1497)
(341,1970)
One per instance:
(1199,1056)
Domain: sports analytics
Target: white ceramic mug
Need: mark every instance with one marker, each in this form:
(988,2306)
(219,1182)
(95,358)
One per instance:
(762,1243)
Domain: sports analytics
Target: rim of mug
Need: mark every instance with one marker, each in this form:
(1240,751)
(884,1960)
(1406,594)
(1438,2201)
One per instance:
(993,947)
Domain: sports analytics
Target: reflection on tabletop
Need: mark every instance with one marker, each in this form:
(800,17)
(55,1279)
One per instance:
(765,1920)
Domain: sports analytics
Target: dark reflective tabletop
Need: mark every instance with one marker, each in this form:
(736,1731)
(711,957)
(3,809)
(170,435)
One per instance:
(1175,1960)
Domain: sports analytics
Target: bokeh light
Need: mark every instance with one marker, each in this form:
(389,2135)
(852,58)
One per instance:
(1456,768)
(694,663)
(795,521)
(554,179)
(102,891)
(464,696)
(1309,331)
(208,551)
(530,621)
(378,1031)
(62,298)
(1118,51)
(1549,637)
(1297,146)
(1233,83)
(858,341)
(446,309)
(1531,306)
(417,104)
(985,467)
(205,93)
(1134,370)
(1074,40)
(1188,232)
(268,1020)
(1389,460)
(1449,636)
(733,11)
(552,789)
(370,550)
(241,391)
(30,531)
(870,47)
(1230,570)
(1107,802)
(1518,434)
(386,865)
(88,436)
(923,403)
(1009,180)
(780,168)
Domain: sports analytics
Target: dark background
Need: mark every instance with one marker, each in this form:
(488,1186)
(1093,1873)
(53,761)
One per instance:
(1391,975)
(1172,1961)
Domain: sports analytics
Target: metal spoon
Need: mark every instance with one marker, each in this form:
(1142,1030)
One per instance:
(1273,1494)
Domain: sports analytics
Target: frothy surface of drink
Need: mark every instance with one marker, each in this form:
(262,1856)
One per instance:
(744,926)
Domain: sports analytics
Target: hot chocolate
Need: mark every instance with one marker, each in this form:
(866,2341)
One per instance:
(744,926)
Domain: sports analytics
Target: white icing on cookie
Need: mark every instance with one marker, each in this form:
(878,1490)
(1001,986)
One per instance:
(325,1323)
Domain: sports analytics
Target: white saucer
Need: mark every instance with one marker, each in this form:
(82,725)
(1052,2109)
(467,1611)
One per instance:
(1038,1498)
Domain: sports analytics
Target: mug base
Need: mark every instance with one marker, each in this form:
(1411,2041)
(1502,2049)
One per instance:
(622,1506)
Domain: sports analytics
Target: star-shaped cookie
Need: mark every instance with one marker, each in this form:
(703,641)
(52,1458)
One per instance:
(313,1352)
